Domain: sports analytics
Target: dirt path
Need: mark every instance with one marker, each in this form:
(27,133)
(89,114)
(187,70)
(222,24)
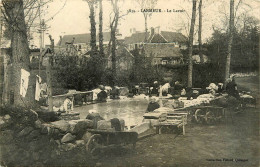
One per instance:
(230,143)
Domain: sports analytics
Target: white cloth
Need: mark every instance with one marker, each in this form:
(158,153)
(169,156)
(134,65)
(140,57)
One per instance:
(38,88)
(24,82)
(68,105)
(165,87)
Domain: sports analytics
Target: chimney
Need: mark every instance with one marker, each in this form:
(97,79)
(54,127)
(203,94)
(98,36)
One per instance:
(158,30)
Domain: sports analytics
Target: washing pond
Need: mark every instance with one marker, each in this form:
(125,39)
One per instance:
(130,110)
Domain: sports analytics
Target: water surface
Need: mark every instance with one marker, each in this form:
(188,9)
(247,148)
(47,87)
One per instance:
(130,110)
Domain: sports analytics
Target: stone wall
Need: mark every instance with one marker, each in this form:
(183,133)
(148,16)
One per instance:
(25,140)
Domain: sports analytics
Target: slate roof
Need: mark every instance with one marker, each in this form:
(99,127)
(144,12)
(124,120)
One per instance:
(136,38)
(163,37)
(82,38)
(174,36)
(162,51)
(158,38)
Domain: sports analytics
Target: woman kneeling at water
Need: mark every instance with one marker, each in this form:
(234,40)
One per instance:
(153,105)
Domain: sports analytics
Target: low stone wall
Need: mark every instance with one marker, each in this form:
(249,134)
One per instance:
(27,141)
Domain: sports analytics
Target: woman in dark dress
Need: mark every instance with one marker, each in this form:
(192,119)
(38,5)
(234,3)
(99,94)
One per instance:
(153,105)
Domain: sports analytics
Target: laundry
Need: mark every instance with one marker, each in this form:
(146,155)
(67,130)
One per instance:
(24,82)
(38,88)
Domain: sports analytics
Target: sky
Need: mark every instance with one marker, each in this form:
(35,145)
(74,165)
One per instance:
(66,17)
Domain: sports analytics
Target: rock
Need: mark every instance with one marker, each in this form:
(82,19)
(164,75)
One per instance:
(7,117)
(55,133)
(58,142)
(62,125)
(48,116)
(80,143)
(67,138)
(40,144)
(25,131)
(33,135)
(70,116)
(5,121)
(38,124)
(68,146)
(86,136)
(79,127)
(103,124)
(45,128)
(2,120)
(31,114)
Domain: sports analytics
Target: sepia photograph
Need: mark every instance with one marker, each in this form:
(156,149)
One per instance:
(129,83)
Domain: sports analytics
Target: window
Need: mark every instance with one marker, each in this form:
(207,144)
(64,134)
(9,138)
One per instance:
(164,62)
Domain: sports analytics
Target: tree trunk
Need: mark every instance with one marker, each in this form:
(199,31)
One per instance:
(101,49)
(230,40)
(145,25)
(93,27)
(20,53)
(199,33)
(190,47)
(113,27)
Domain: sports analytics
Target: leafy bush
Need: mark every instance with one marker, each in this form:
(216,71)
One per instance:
(75,73)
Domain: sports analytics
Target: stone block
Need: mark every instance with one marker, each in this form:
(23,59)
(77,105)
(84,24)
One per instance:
(33,135)
(68,146)
(103,125)
(38,124)
(5,121)
(80,126)
(80,143)
(25,131)
(68,138)
(62,125)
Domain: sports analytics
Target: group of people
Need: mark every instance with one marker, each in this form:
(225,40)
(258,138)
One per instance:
(230,89)
(103,94)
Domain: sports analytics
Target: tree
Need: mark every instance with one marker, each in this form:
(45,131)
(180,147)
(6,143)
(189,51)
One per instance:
(200,31)
(230,40)
(13,12)
(190,46)
(113,28)
(19,17)
(101,49)
(245,47)
(91,4)
(146,4)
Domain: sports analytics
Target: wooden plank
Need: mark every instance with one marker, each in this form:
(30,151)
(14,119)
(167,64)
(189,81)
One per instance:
(210,107)
(71,94)
(174,116)
(177,113)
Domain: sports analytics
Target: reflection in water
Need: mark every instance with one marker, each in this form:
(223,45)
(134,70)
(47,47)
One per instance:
(130,110)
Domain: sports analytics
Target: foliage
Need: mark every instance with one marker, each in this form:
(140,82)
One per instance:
(143,70)
(245,49)
(76,73)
